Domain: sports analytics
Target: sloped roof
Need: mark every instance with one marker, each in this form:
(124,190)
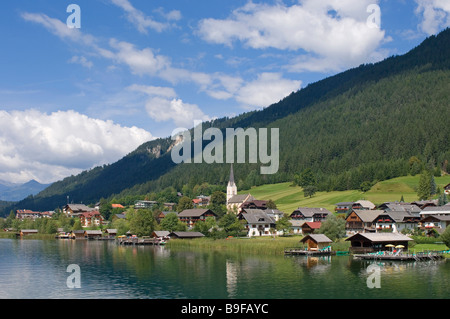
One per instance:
(318,238)
(368,216)
(258,216)
(196,212)
(186,234)
(366,203)
(310,211)
(241,198)
(382,237)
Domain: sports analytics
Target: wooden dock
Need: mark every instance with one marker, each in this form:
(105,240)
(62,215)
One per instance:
(422,256)
(305,252)
(140,241)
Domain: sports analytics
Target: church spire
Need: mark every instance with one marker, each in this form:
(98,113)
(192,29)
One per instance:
(231,181)
(231,188)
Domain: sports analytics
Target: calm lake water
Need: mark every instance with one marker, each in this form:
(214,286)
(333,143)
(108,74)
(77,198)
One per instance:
(37,269)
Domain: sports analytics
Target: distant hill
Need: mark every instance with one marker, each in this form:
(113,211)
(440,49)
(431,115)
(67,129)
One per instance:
(364,124)
(11,192)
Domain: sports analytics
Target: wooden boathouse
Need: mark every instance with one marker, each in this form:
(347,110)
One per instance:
(316,245)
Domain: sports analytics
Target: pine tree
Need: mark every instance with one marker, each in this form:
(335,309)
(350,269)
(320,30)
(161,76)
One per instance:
(424,189)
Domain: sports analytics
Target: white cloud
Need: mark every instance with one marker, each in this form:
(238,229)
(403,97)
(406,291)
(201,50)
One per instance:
(48,147)
(143,22)
(82,61)
(162,105)
(335,31)
(267,89)
(181,113)
(435,15)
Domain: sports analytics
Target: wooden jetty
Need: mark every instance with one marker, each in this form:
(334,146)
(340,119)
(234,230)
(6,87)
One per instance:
(306,252)
(140,241)
(421,256)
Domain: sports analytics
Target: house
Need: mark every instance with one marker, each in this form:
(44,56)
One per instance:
(396,221)
(162,215)
(89,219)
(185,235)
(436,223)
(169,206)
(366,204)
(73,210)
(296,226)
(447,189)
(437,211)
(26,232)
(316,241)
(191,216)
(117,206)
(361,220)
(344,207)
(369,242)
(236,201)
(91,234)
(201,201)
(396,206)
(143,204)
(310,214)
(27,214)
(274,213)
(258,222)
(310,227)
(118,216)
(255,204)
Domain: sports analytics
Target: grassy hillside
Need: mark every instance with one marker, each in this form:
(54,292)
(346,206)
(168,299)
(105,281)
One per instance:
(288,197)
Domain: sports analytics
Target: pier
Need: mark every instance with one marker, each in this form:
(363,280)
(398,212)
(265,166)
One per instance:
(140,241)
(305,252)
(421,256)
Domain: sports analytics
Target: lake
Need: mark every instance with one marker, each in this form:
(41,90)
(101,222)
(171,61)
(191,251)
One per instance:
(37,269)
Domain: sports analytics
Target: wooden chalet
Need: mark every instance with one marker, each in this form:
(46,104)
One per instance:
(310,227)
(370,242)
(361,220)
(434,223)
(396,221)
(344,207)
(310,214)
(191,216)
(316,241)
(255,204)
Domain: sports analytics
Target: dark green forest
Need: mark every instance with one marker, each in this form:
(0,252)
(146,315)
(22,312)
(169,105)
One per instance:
(360,126)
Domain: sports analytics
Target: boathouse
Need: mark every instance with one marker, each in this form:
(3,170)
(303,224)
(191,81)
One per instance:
(370,242)
(186,235)
(25,232)
(316,241)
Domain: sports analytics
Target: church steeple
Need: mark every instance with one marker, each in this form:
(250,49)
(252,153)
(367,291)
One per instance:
(231,187)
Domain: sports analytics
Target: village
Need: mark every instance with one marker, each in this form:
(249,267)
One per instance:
(370,228)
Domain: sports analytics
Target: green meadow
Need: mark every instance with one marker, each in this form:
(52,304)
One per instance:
(288,197)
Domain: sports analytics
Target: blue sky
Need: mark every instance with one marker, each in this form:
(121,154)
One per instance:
(75,98)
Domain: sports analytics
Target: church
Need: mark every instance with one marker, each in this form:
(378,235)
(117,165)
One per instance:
(235,201)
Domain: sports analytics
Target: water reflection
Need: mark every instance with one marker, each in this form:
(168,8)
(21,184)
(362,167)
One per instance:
(37,269)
